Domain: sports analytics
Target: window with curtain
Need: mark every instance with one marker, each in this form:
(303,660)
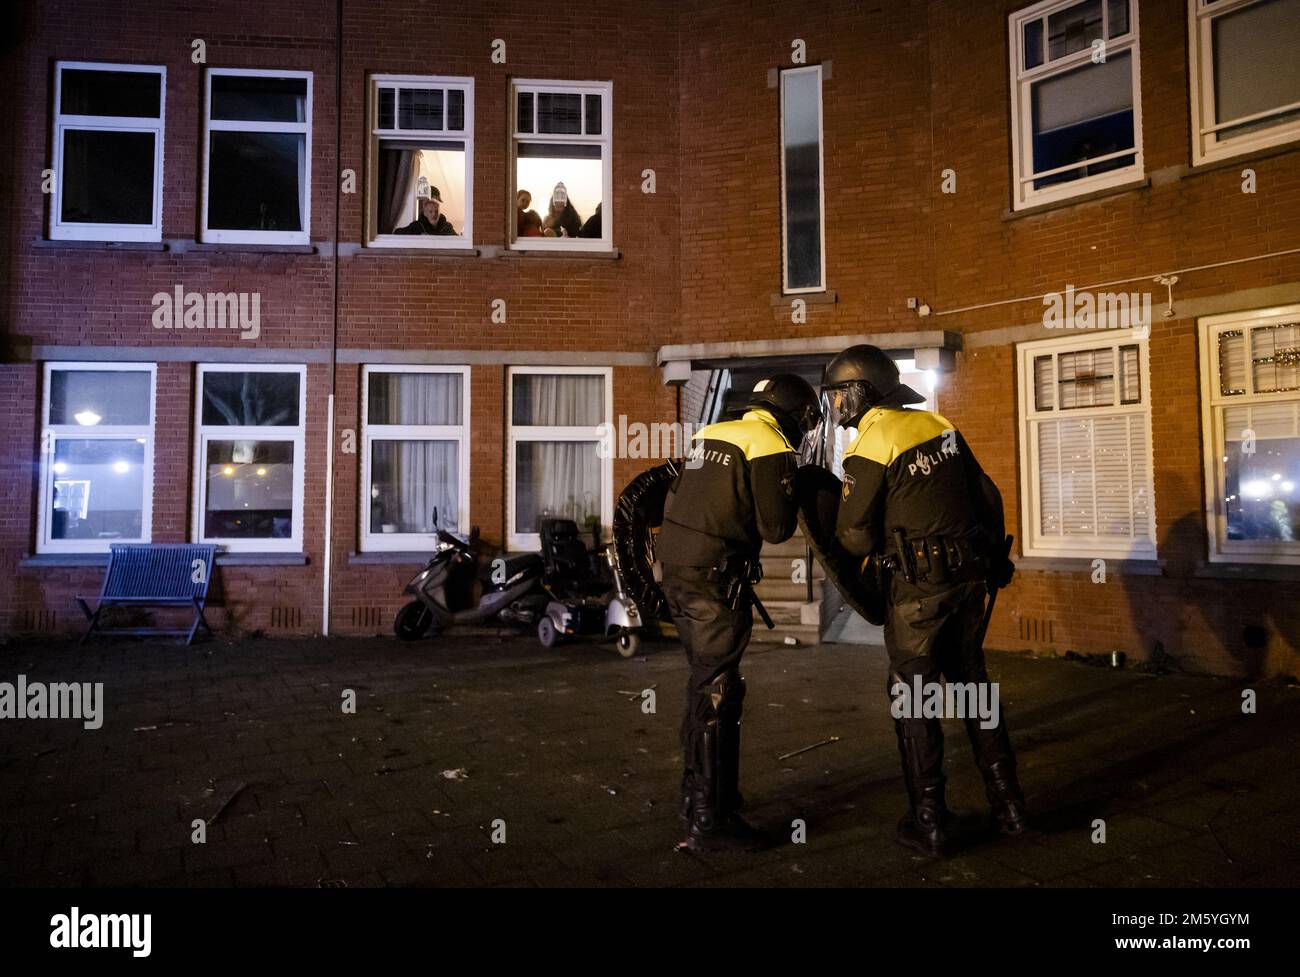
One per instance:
(803,242)
(563,165)
(422,153)
(1075,99)
(1085,422)
(108,133)
(96,456)
(415,462)
(1251,398)
(250,441)
(555,466)
(258,156)
(1245,76)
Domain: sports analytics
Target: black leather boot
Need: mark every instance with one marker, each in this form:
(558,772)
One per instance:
(924,827)
(713,826)
(729,703)
(1006,801)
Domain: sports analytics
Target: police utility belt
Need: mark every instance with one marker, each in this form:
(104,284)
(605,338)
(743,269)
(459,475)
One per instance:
(735,574)
(935,559)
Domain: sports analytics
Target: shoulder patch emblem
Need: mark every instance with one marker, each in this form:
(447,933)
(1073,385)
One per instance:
(848,486)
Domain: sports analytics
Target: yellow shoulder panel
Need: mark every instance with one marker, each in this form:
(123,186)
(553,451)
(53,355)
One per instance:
(755,434)
(883,435)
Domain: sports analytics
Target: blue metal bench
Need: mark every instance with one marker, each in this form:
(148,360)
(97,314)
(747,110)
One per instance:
(154,575)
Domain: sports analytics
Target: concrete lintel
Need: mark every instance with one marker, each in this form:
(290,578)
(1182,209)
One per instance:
(758,348)
(249,353)
(499,357)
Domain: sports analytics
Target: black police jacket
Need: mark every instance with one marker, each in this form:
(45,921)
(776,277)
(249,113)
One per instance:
(912,469)
(735,491)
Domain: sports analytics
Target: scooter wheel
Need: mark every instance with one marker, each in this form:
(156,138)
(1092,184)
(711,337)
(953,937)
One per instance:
(628,643)
(413,621)
(546,632)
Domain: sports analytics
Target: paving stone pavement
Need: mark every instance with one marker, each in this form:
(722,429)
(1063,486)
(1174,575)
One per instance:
(453,740)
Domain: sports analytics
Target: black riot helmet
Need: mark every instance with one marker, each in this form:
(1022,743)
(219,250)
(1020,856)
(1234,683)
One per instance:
(792,401)
(860,378)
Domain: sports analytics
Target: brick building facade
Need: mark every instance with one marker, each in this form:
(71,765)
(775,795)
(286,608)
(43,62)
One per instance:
(921,107)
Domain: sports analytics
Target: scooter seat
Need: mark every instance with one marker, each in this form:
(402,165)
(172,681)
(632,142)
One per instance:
(514,563)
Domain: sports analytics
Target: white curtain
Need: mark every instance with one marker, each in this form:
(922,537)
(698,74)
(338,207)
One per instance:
(558,479)
(409,478)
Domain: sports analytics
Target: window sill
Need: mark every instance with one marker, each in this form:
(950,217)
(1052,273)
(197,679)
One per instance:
(46,244)
(1231,162)
(1247,571)
(409,558)
(1083,198)
(377,251)
(261,559)
(826,297)
(1070,564)
(250,248)
(40,560)
(611,255)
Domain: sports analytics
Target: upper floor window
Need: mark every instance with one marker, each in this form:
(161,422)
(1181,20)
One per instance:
(803,243)
(563,165)
(1245,76)
(1085,444)
(1076,120)
(96,456)
(257,161)
(1250,402)
(421,161)
(108,152)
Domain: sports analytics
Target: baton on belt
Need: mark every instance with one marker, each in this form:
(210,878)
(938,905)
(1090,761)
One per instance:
(993,594)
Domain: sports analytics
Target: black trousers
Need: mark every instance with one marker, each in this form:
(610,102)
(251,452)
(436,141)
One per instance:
(933,630)
(715,637)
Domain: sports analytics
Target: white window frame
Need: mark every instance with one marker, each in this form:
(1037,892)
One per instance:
(1213,404)
(76,231)
(821,183)
(52,433)
(211,125)
(203,434)
(1023,194)
(605,89)
(408,542)
(596,433)
(1088,547)
(464,84)
(1206,146)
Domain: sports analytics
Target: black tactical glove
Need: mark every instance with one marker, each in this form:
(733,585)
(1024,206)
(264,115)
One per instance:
(1000,573)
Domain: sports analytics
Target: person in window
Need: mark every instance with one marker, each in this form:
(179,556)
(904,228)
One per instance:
(530,224)
(561,219)
(592,227)
(431,220)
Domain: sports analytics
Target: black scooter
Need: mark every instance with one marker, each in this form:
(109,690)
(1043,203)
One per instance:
(510,588)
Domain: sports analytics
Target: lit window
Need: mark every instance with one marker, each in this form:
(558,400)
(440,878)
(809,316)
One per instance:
(555,464)
(415,461)
(257,164)
(1085,445)
(803,243)
(108,152)
(563,164)
(1245,76)
(422,152)
(96,456)
(1076,122)
(249,444)
(1250,369)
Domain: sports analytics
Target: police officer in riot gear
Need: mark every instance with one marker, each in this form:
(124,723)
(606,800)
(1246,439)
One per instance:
(735,491)
(915,501)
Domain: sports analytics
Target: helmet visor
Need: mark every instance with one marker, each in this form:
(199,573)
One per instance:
(844,403)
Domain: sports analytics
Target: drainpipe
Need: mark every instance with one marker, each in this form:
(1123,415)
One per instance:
(326,564)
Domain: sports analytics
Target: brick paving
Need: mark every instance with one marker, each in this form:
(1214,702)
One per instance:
(1193,792)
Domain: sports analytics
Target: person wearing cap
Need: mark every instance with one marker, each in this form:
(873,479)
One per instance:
(431,219)
(561,219)
(736,490)
(915,500)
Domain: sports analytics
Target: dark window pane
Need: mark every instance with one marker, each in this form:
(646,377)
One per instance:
(556,479)
(801,154)
(414,398)
(1080,115)
(134,94)
(561,114)
(408,480)
(98,489)
(525,112)
(108,177)
(253,99)
(249,490)
(259,399)
(387,108)
(255,181)
(99,398)
(1255,64)
(419,108)
(1117,12)
(455,109)
(1073,29)
(1033,44)
(593,115)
